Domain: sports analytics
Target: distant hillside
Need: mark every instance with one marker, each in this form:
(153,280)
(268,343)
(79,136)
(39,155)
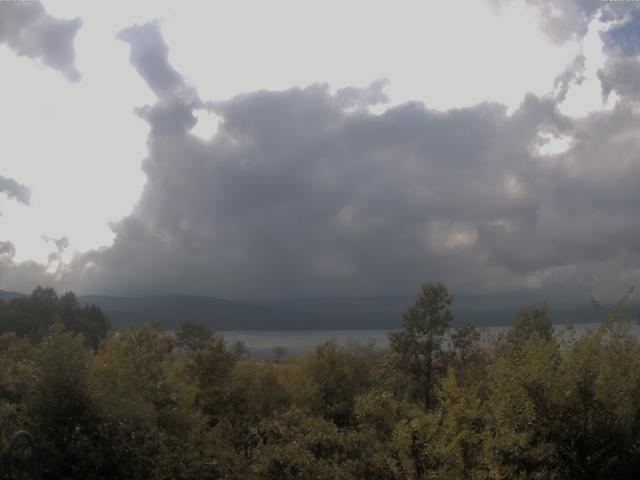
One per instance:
(7,296)
(328,313)
(307,314)
(171,310)
(324,313)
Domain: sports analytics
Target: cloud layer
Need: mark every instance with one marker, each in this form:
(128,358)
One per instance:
(564,20)
(13,189)
(305,192)
(29,30)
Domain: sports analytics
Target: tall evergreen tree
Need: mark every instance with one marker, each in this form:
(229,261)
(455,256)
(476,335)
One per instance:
(420,339)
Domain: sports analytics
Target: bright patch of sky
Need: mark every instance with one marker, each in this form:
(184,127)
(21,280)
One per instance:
(586,96)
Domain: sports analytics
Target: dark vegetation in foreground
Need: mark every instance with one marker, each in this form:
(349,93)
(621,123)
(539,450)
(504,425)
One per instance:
(138,404)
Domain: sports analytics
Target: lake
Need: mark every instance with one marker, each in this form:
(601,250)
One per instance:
(296,342)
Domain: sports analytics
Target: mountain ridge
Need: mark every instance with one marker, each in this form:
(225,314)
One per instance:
(323,313)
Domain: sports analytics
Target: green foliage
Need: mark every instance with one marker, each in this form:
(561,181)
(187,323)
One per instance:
(295,445)
(278,353)
(127,411)
(32,316)
(391,431)
(420,339)
(455,430)
(331,378)
(210,367)
(60,406)
(567,409)
(531,322)
(531,404)
(465,341)
(193,336)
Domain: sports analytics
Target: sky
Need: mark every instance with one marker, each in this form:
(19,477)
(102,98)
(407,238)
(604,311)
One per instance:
(252,150)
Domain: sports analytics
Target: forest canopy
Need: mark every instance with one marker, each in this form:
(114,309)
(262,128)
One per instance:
(33,316)
(441,402)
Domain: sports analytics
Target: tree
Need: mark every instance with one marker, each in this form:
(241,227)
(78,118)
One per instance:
(421,337)
(332,376)
(278,352)
(61,406)
(464,340)
(33,316)
(193,335)
(211,368)
(240,349)
(530,322)
(296,445)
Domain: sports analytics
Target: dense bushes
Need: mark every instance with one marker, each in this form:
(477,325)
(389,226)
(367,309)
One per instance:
(531,403)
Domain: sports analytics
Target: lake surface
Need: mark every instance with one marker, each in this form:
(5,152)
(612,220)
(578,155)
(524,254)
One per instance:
(297,342)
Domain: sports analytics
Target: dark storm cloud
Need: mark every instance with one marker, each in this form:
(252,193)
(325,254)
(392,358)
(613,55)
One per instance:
(13,189)
(28,29)
(305,193)
(621,75)
(300,194)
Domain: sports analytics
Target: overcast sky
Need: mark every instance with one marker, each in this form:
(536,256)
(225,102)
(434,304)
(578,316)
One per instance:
(294,148)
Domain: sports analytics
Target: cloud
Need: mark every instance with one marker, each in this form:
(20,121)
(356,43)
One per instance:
(574,74)
(621,70)
(565,20)
(24,276)
(621,75)
(7,248)
(14,190)
(352,97)
(300,194)
(28,29)
(150,58)
(623,36)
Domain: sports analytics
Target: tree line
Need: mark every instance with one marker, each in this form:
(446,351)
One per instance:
(441,402)
(33,316)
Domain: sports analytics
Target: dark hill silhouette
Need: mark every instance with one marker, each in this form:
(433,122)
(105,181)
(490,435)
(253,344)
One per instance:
(327,313)
(8,296)
(381,312)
